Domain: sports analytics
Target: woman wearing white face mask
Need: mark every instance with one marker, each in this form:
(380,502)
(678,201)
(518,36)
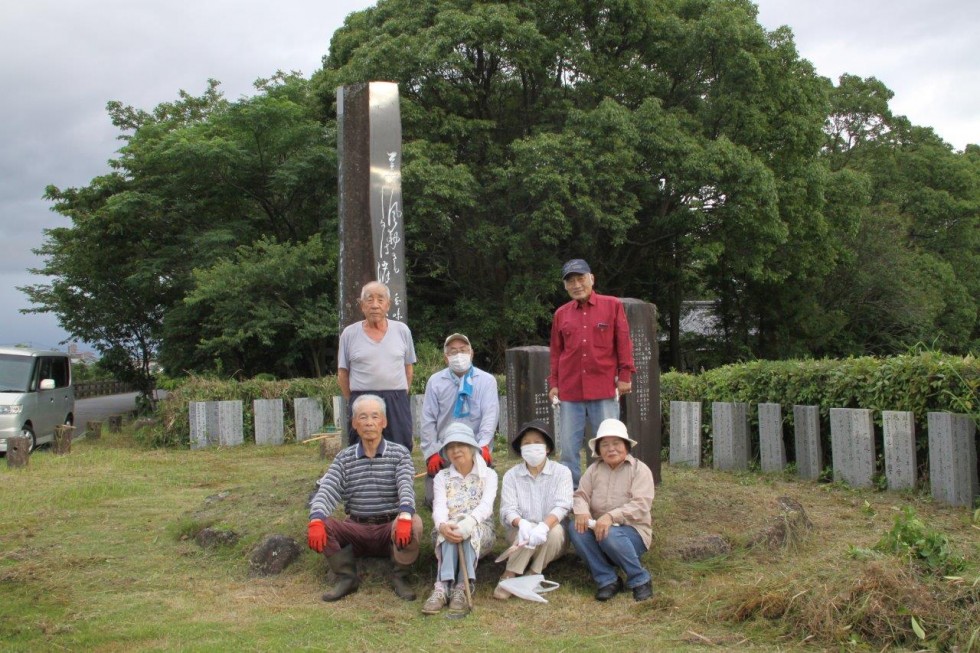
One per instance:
(536,497)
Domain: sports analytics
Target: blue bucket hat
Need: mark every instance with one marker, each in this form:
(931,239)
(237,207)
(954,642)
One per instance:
(457,432)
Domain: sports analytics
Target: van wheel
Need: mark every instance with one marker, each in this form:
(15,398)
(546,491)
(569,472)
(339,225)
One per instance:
(28,432)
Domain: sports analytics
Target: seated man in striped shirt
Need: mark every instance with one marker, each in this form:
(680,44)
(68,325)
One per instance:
(374,479)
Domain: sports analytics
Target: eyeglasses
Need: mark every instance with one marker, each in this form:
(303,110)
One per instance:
(458,350)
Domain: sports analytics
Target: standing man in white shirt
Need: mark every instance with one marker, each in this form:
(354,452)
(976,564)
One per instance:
(458,393)
(377,356)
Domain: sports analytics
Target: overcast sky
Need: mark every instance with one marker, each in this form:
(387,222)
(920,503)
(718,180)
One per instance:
(62,60)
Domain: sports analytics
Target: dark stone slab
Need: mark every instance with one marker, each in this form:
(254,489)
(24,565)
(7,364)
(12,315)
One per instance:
(527,388)
(273,555)
(640,409)
(372,241)
(212,538)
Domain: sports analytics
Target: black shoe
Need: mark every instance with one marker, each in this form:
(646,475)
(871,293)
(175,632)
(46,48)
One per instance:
(606,592)
(643,592)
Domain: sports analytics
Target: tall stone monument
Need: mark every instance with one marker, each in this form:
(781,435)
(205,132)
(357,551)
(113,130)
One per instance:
(640,409)
(372,241)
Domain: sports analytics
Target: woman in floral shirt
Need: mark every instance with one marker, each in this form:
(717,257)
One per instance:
(461,512)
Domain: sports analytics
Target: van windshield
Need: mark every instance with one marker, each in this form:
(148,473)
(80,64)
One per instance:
(15,373)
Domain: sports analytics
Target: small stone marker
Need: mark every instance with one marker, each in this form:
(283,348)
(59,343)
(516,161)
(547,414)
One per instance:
(685,433)
(899,445)
(772,451)
(730,435)
(309,417)
(93,430)
(62,438)
(230,425)
(268,421)
(953,458)
(527,388)
(852,441)
(18,451)
(340,420)
(502,419)
(415,403)
(197,412)
(806,431)
(115,423)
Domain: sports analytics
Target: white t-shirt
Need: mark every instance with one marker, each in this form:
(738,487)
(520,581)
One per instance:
(376,365)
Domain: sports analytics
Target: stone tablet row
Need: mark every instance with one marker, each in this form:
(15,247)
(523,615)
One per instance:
(952,445)
(220,423)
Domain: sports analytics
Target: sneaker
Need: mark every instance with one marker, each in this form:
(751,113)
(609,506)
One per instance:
(436,602)
(458,604)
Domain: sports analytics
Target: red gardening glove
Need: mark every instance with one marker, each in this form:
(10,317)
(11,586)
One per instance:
(403,531)
(486,454)
(316,535)
(435,464)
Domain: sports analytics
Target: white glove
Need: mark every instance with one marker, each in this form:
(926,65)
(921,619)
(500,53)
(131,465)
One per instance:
(539,535)
(524,528)
(465,526)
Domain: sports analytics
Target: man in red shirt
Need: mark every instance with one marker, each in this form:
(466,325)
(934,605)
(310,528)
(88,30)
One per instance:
(591,361)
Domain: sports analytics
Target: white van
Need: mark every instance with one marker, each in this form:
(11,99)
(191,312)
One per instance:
(36,394)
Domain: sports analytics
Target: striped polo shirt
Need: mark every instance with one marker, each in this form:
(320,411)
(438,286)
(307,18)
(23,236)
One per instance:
(367,486)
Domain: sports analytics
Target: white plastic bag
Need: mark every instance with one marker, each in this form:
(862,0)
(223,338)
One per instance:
(529,587)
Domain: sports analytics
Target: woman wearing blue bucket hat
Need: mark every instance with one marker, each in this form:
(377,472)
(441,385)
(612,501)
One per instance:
(462,507)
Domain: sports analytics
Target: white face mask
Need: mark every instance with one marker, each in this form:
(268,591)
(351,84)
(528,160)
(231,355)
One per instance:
(534,454)
(460,363)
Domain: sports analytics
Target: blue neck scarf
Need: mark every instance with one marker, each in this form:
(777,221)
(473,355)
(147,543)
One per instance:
(462,407)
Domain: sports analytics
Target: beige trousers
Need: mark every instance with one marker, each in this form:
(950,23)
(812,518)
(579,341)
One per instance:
(535,560)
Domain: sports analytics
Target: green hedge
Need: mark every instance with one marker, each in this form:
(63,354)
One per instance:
(919,383)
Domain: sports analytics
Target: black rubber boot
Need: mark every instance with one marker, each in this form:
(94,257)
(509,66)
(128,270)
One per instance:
(345,569)
(400,581)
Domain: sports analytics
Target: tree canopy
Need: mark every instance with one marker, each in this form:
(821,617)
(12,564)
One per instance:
(682,149)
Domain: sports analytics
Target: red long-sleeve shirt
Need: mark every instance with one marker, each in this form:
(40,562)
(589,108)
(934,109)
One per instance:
(590,348)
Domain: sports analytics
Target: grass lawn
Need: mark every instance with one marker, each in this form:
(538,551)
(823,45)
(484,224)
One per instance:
(97,552)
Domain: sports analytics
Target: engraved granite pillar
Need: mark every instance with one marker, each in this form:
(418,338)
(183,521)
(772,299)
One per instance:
(527,388)
(685,433)
(308,414)
(640,409)
(415,403)
(772,450)
(806,432)
(953,458)
(852,443)
(730,435)
(267,414)
(369,150)
(899,444)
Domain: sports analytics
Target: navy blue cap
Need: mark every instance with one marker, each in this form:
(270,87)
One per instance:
(575,266)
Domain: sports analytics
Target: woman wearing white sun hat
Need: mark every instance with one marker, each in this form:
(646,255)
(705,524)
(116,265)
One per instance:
(616,492)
